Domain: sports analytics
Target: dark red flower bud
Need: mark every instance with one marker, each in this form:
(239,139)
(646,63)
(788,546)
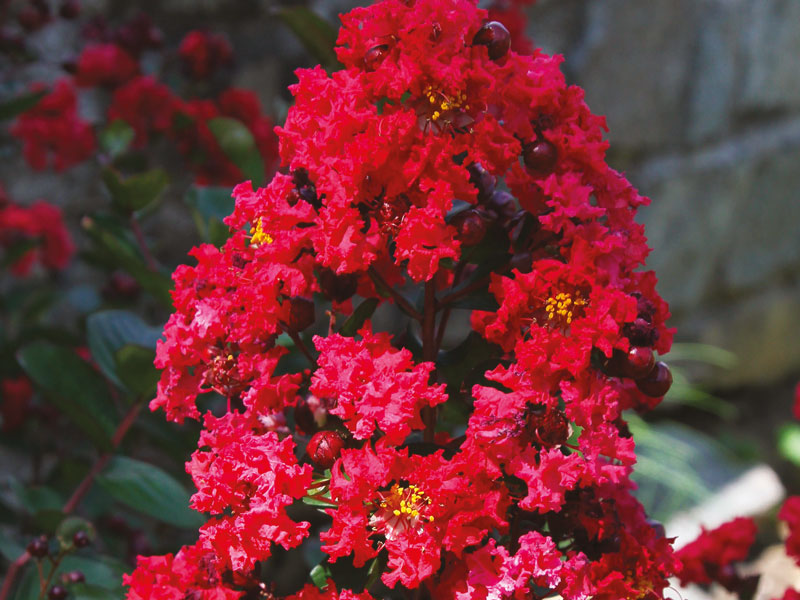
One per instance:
(658,528)
(471,226)
(374,56)
(522,262)
(540,157)
(69,9)
(483,180)
(502,205)
(74,577)
(324,448)
(57,592)
(38,548)
(639,362)
(304,417)
(658,382)
(302,313)
(495,37)
(337,287)
(81,539)
(615,366)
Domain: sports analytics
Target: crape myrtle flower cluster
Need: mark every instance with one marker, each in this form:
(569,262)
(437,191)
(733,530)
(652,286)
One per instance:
(54,134)
(438,160)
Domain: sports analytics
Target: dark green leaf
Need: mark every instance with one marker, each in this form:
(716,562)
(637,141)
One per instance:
(85,591)
(150,490)
(320,501)
(116,138)
(315,33)
(211,205)
(17,250)
(28,584)
(360,314)
(481,300)
(101,571)
(135,367)
(239,145)
(9,548)
(109,331)
(15,106)
(137,191)
(473,352)
(74,387)
(115,249)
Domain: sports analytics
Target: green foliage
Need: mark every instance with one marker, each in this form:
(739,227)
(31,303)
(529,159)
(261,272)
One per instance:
(147,488)
(315,33)
(209,206)
(13,107)
(134,193)
(73,386)
(239,145)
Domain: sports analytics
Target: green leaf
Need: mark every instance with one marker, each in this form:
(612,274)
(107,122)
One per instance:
(111,330)
(150,490)
(115,249)
(789,442)
(85,591)
(480,300)
(9,549)
(359,316)
(315,33)
(320,574)
(116,138)
(28,584)
(472,353)
(73,386)
(210,206)
(137,191)
(15,106)
(135,367)
(100,571)
(239,145)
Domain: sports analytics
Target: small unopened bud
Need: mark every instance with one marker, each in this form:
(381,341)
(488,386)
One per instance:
(374,56)
(81,539)
(57,592)
(301,314)
(657,383)
(540,157)
(495,37)
(38,548)
(470,225)
(324,448)
(639,362)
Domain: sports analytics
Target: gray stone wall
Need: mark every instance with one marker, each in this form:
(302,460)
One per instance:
(703,104)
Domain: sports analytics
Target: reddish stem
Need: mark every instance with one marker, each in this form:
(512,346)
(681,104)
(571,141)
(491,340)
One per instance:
(429,352)
(83,488)
(137,233)
(398,298)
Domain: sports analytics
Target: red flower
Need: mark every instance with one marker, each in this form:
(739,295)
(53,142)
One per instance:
(146,105)
(711,556)
(52,131)
(16,398)
(790,512)
(105,65)
(204,53)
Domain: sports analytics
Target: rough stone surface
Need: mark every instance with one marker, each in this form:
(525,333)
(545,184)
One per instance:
(771,45)
(634,62)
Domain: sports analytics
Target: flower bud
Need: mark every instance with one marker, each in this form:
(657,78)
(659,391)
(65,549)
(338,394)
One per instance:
(495,37)
(502,204)
(324,448)
(304,417)
(81,539)
(75,577)
(471,226)
(38,548)
(57,592)
(302,314)
(639,362)
(483,180)
(657,383)
(540,157)
(337,287)
(374,56)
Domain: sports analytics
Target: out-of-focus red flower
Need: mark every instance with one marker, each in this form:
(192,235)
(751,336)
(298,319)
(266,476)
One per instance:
(16,399)
(42,224)
(790,512)
(145,104)
(52,132)
(105,65)
(203,53)
(712,555)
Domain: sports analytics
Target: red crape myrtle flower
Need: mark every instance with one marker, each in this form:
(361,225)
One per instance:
(52,132)
(711,556)
(40,223)
(105,65)
(203,53)
(438,171)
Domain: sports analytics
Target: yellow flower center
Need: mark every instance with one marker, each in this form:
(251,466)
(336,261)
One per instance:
(400,509)
(442,104)
(562,308)
(259,236)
